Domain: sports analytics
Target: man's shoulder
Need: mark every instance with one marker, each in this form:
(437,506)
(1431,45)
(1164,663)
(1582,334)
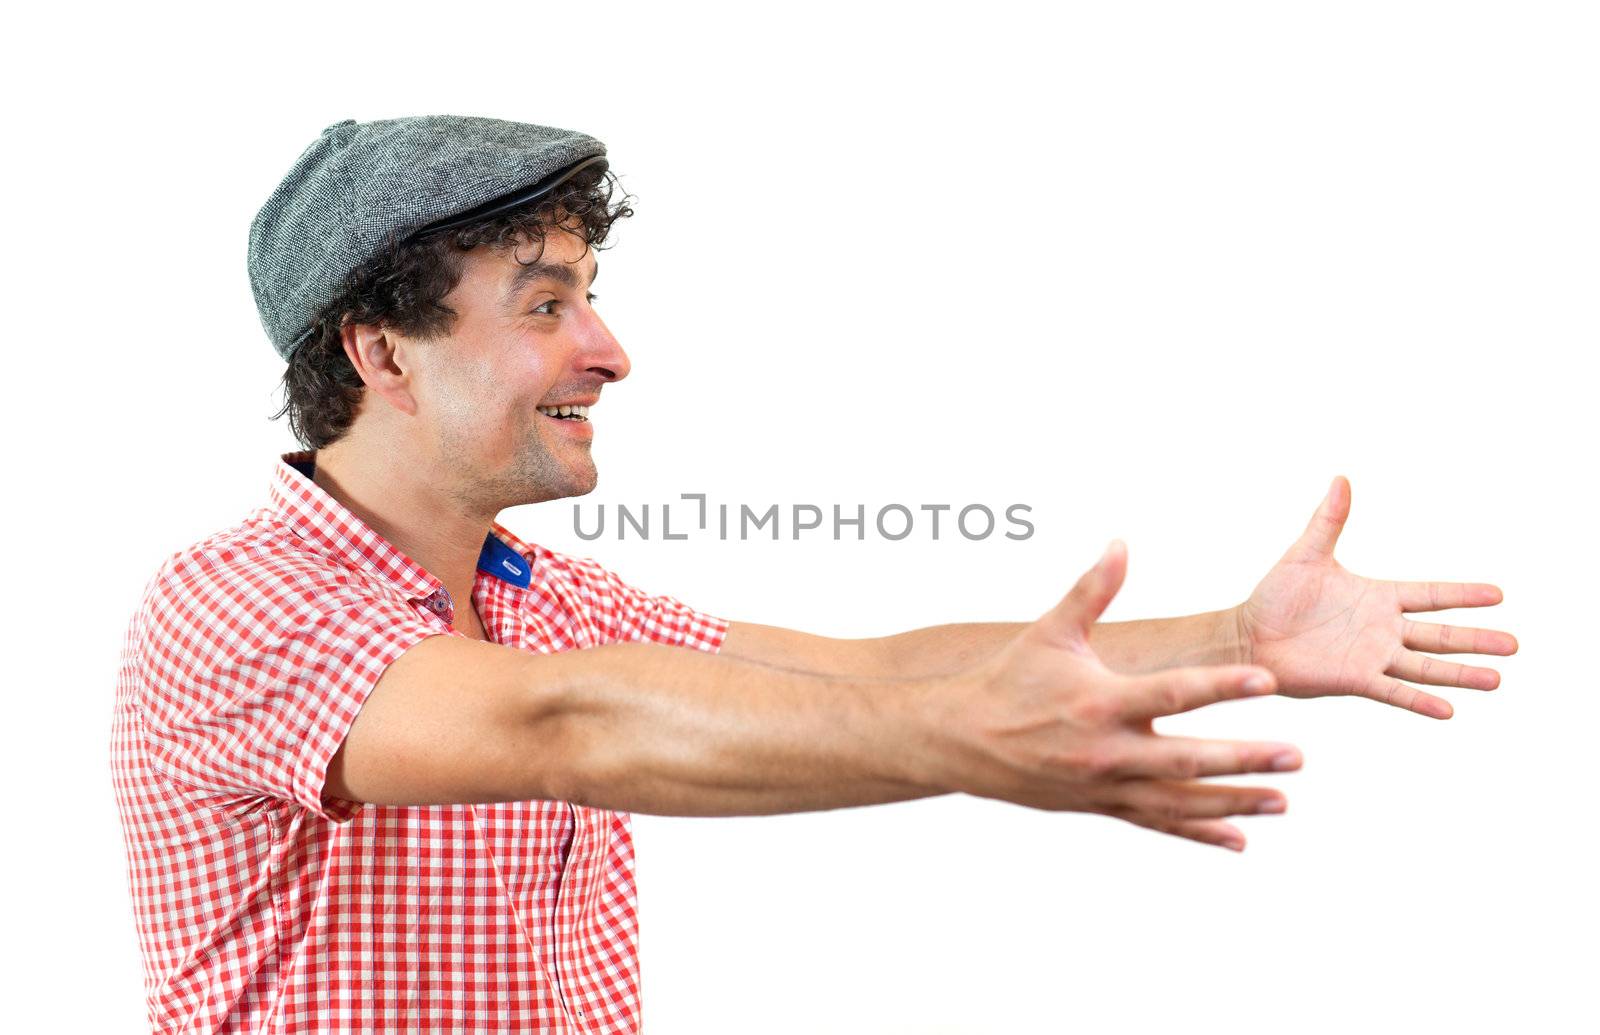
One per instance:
(261,557)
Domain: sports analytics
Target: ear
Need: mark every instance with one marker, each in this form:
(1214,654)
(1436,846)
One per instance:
(382,359)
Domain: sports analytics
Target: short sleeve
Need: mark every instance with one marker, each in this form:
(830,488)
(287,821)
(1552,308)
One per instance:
(253,670)
(625,614)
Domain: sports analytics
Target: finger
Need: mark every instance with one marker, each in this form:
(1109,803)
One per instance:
(1455,639)
(1206,831)
(1404,695)
(1086,601)
(1323,531)
(1176,690)
(1170,801)
(1150,756)
(1419,668)
(1442,596)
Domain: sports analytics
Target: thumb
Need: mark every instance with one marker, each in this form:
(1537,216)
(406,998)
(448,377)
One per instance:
(1323,530)
(1087,600)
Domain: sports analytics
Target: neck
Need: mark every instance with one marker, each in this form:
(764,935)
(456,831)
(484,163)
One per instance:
(395,496)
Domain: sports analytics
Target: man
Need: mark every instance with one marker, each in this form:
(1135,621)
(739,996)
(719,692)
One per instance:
(375,755)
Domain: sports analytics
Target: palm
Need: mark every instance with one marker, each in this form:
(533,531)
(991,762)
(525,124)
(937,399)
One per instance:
(1320,629)
(1323,630)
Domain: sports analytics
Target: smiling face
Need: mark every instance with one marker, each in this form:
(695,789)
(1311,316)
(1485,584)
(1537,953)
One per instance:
(526,339)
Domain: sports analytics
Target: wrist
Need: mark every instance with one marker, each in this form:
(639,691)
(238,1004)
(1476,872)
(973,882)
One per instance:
(937,713)
(1234,636)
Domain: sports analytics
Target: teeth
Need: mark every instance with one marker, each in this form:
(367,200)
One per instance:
(565,411)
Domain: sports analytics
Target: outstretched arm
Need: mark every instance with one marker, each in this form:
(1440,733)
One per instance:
(1322,631)
(1133,647)
(647,727)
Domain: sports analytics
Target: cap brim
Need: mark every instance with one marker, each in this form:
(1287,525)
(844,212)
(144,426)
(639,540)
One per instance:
(507,202)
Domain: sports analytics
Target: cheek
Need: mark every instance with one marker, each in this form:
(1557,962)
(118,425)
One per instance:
(465,403)
(489,387)
(530,369)
(496,388)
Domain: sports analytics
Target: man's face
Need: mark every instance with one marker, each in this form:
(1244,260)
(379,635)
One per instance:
(525,337)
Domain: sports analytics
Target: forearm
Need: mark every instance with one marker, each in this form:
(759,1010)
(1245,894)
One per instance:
(674,732)
(1147,645)
(1152,644)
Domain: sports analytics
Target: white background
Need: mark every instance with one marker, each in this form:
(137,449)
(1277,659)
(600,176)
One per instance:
(1158,270)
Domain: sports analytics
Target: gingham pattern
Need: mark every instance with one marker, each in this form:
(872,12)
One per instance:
(261,907)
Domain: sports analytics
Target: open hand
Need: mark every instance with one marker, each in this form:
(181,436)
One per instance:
(1044,723)
(1324,631)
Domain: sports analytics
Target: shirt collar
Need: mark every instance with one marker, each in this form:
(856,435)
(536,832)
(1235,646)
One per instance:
(325,522)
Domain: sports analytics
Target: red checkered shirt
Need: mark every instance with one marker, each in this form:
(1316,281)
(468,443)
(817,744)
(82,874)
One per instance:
(263,907)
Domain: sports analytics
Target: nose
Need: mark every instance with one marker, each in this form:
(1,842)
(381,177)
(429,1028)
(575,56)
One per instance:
(602,353)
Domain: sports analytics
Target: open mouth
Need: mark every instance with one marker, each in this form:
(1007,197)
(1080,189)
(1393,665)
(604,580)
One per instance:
(577,413)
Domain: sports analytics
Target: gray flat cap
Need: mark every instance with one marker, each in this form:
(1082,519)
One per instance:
(360,183)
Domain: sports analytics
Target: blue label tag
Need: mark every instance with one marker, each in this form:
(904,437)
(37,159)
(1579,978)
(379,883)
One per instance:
(503,562)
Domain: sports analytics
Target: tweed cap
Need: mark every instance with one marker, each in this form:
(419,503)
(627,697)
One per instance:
(360,184)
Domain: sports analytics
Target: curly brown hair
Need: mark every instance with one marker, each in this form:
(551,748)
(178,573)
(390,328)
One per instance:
(404,287)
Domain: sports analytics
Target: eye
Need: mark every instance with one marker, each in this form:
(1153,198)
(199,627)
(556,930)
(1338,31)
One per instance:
(540,308)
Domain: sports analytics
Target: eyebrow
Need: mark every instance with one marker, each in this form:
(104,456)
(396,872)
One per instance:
(560,272)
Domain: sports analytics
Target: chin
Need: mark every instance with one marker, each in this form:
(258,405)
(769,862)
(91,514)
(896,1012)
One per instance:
(581,483)
(586,485)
